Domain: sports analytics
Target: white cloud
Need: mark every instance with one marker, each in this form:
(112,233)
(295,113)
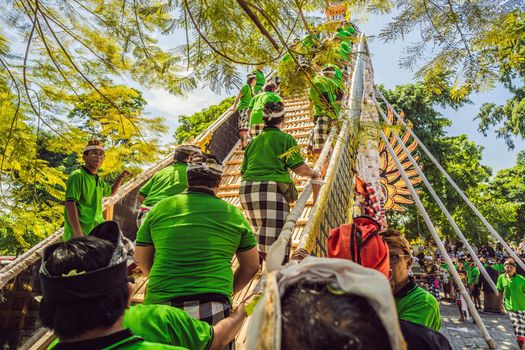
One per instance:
(163,104)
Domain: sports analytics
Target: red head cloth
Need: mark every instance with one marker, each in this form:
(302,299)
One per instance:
(361,243)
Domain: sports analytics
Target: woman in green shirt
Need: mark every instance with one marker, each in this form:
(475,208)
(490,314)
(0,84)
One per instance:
(511,287)
(267,187)
(241,104)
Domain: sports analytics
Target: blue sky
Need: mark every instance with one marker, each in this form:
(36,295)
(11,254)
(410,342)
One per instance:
(385,58)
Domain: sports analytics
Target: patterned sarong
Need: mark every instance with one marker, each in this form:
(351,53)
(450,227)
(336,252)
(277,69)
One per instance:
(319,133)
(518,323)
(210,312)
(141,215)
(266,209)
(244,121)
(256,130)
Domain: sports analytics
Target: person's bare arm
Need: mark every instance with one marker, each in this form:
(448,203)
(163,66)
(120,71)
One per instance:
(305,170)
(140,198)
(72,216)
(236,102)
(145,256)
(248,267)
(118,181)
(225,331)
(500,301)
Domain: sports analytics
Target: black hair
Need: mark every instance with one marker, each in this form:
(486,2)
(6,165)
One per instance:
(203,178)
(74,319)
(250,79)
(181,155)
(271,107)
(270,87)
(314,318)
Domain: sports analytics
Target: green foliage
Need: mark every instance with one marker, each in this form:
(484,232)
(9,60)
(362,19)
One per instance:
(129,137)
(193,125)
(467,47)
(36,162)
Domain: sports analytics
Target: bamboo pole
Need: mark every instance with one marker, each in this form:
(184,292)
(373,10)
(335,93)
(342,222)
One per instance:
(440,203)
(490,342)
(491,229)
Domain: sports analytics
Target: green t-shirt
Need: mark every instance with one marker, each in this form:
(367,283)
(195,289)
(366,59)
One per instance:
(246,97)
(323,97)
(168,182)
(513,292)
(473,275)
(499,267)
(195,236)
(257,106)
(122,340)
(269,156)
(260,80)
(420,307)
(87,191)
(168,325)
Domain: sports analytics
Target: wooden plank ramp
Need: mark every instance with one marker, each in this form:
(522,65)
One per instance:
(298,124)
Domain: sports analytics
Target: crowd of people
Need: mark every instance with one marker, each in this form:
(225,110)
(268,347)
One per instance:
(503,270)
(188,237)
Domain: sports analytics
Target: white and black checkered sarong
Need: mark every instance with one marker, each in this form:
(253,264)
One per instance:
(266,209)
(256,129)
(210,312)
(244,121)
(518,323)
(319,133)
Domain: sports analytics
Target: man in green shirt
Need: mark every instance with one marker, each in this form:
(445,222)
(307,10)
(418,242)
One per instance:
(153,323)
(473,283)
(241,104)
(187,243)
(323,97)
(259,77)
(256,108)
(511,288)
(84,193)
(167,182)
(413,303)
(84,294)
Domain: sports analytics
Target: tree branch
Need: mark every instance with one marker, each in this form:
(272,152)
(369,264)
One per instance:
(246,7)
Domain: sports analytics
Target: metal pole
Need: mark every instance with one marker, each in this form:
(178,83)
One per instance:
(490,342)
(491,229)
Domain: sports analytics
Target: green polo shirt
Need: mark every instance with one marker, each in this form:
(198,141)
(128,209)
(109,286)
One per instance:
(195,236)
(257,106)
(420,307)
(87,191)
(260,80)
(324,87)
(168,325)
(513,292)
(246,97)
(270,156)
(122,340)
(168,182)
(473,275)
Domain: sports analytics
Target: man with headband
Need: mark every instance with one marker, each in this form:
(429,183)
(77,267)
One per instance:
(167,182)
(414,304)
(84,193)
(86,296)
(187,243)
